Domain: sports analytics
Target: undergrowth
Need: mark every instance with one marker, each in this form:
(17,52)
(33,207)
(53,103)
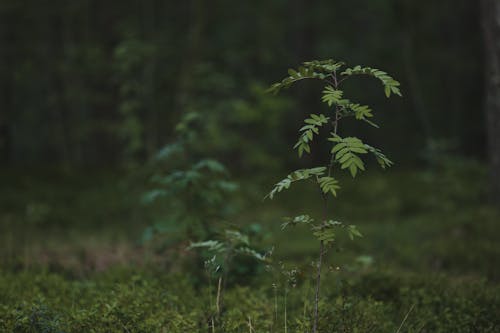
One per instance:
(124,300)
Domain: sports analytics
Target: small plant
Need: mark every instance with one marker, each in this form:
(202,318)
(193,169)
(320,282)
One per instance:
(345,153)
(222,253)
(284,279)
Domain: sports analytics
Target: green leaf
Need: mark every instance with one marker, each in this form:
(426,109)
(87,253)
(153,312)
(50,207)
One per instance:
(346,151)
(352,231)
(326,236)
(325,232)
(293,221)
(361,112)
(387,91)
(307,132)
(329,185)
(235,237)
(371,123)
(210,245)
(390,85)
(332,96)
(151,196)
(382,160)
(297,175)
(168,151)
(210,165)
(251,253)
(316,69)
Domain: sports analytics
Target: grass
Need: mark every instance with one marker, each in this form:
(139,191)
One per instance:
(130,300)
(71,259)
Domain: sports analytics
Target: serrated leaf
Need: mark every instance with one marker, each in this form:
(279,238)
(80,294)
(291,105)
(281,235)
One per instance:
(307,132)
(329,185)
(387,90)
(251,253)
(390,85)
(382,160)
(211,245)
(331,96)
(293,221)
(345,153)
(297,175)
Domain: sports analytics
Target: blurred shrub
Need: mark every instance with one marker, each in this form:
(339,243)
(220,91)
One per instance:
(189,191)
(241,124)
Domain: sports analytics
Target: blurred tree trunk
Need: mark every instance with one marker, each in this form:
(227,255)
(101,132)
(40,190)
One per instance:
(415,86)
(491,28)
(406,22)
(6,93)
(4,136)
(60,86)
(152,123)
(192,54)
(304,42)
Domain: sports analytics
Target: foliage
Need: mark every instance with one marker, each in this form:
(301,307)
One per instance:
(344,153)
(99,94)
(324,232)
(232,243)
(297,175)
(241,122)
(220,257)
(312,127)
(134,90)
(135,301)
(453,287)
(192,192)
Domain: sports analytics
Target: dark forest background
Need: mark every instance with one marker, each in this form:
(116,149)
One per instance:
(130,129)
(103,83)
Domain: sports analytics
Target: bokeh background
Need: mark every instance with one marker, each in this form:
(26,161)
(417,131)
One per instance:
(101,84)
(94,93)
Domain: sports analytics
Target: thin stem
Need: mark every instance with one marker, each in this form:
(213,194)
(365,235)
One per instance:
(406,317)
(250,327)
(286,327)
(321,244)
(210,296)
(318,280)
(343,79)
(276,304)
(219,288)
(223,282)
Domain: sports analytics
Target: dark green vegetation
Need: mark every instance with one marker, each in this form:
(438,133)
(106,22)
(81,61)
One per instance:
(100,83)
(135,301)
(137,142)
(430,245)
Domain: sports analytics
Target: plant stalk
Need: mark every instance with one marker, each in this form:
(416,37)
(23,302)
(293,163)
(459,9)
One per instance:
(286,319)
(217,302)
(318,280)
(321,244)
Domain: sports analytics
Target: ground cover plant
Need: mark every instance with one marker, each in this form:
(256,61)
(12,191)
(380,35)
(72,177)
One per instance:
(124,300)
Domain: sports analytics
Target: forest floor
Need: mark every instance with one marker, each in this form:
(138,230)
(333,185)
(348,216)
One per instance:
(72,259)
